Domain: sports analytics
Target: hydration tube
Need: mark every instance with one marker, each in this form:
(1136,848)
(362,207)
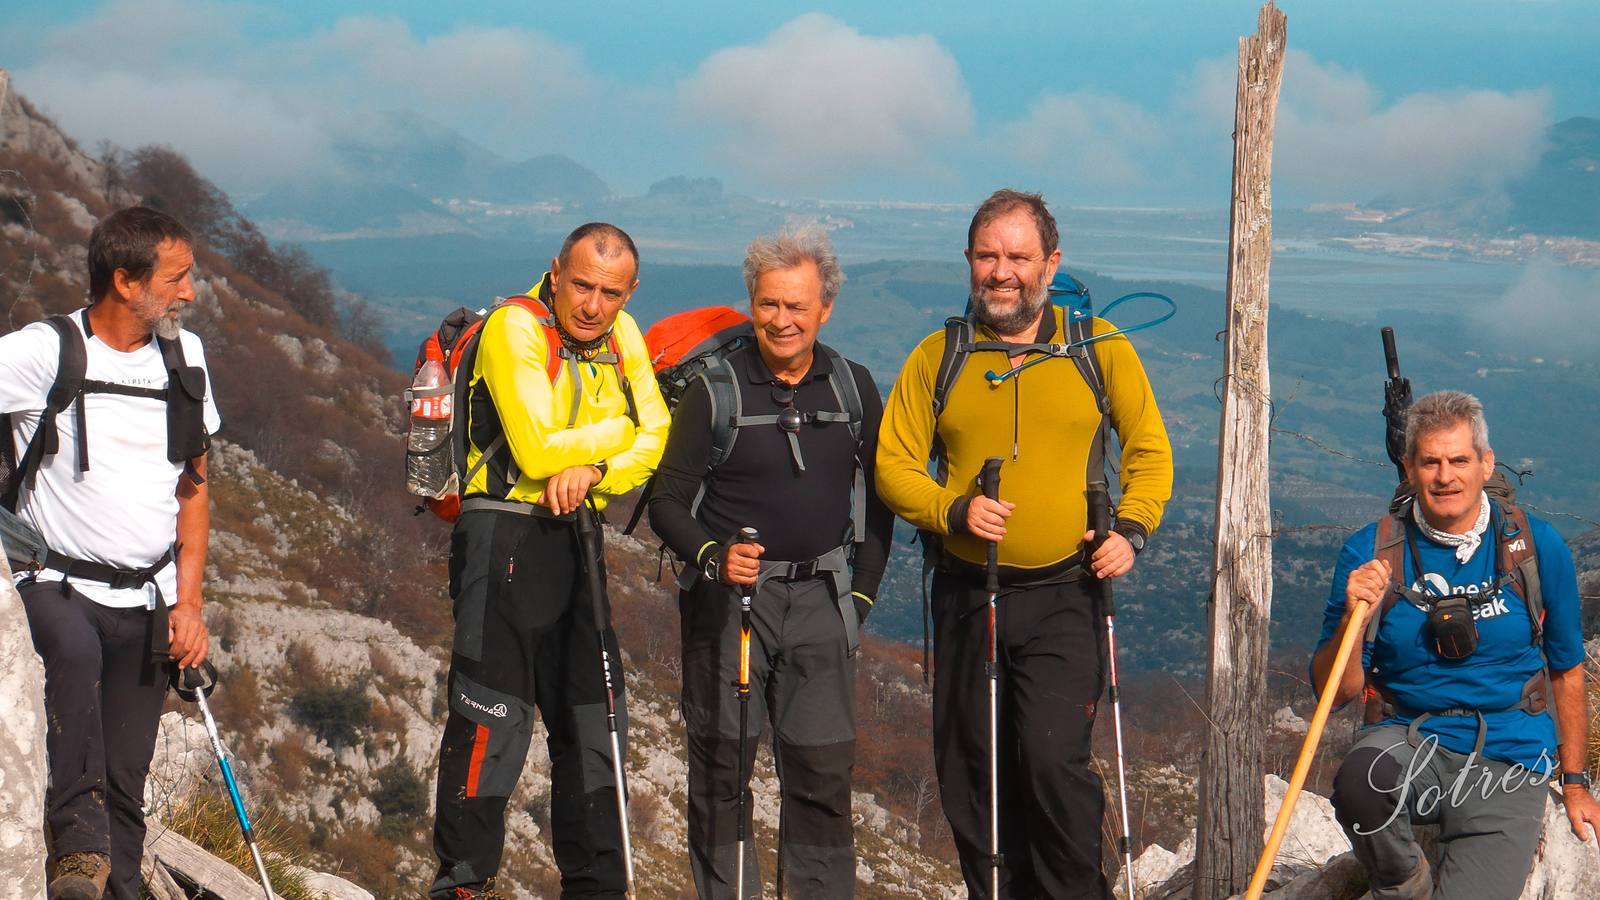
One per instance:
(1076,288)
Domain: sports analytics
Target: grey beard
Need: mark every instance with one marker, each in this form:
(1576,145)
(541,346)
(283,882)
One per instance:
(166,328)
(1015,319)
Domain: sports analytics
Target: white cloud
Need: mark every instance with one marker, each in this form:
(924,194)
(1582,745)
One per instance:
(1553,308)
(235,134)
(505,72)
(1089,139)
(818,103)
(1336,138)
(251,114)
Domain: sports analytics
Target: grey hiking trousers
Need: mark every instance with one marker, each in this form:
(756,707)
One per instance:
(1489,815)
(802,680)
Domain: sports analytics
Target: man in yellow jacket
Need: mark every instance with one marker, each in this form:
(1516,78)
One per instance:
(588,421)
(1045,422)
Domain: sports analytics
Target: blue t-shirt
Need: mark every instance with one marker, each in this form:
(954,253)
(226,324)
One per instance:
(1492,678)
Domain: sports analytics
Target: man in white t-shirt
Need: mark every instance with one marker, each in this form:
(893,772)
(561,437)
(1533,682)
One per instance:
(109,414)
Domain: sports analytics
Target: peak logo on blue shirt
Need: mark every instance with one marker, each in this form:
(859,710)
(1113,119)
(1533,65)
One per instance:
(1434,584)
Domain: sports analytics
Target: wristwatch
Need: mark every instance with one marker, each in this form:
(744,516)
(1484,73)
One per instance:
(1578,778)
(1133,536)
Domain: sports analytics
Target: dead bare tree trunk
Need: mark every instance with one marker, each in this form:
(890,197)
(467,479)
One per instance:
(1231,819)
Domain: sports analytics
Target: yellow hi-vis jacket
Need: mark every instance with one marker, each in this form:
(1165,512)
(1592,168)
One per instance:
(533,410)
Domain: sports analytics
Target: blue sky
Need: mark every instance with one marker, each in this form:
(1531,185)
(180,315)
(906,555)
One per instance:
(1118,104)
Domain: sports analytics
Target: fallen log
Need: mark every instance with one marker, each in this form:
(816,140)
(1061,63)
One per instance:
(195,865)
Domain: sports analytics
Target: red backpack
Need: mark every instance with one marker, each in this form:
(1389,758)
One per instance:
(436,443)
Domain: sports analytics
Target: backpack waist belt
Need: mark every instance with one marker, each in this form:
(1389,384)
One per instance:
(1535,699)
(479,502)
(1070,569)
(121,579)
(833,565)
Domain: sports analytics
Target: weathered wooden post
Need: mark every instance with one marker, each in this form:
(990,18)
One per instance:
(1231,820)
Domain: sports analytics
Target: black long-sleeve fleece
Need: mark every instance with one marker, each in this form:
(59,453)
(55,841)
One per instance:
(800,515)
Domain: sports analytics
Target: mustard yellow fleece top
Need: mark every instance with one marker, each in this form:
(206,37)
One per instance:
(1048,414)
(512,352)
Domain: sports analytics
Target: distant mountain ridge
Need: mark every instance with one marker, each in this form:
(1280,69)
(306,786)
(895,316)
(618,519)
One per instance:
(1559,197)
(409,150)
(401,175)
(1562,195)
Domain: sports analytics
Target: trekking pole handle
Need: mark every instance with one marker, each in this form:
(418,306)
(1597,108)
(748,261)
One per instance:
(1391,356)
(1099,503)
(989,483)
(195,681)
(748,535)
(1099,513)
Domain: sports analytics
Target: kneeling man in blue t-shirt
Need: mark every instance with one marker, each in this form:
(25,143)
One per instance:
(1471,661)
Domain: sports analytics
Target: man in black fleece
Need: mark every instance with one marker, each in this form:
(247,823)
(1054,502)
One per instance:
(799,470)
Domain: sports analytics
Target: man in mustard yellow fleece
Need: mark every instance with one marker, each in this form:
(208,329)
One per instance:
(1046,424)
(562,404)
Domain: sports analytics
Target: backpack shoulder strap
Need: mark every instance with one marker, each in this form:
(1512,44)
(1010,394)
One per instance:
(623,384)
(552,340)
(1389,546)
(1079,328)
(1519,559)
(958,332)
(71,362)
(727,407)
(843,381)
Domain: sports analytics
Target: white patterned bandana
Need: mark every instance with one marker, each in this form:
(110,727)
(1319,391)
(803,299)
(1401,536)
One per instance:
(1465,544)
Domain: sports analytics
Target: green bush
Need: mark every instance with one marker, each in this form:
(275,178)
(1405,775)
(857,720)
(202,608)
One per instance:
(337,715)
(400,792)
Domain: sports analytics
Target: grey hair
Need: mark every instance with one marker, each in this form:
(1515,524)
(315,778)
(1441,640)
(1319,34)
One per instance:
(1441,411)
(792,248)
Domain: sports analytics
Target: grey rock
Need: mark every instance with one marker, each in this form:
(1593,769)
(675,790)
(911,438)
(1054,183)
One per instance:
(22,759)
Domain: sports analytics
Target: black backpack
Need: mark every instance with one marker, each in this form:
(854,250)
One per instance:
(184,395)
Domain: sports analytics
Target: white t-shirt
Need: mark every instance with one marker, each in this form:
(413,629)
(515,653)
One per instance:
(124,510)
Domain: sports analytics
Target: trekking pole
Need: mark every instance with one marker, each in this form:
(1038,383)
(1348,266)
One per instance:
(989,483)
(1100,522)
(193,684)
(1396,400)
(592,551)
(746,597)
(1302,766)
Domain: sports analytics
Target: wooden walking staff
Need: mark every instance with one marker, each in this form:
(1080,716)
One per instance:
(1319,720)
(1229,821)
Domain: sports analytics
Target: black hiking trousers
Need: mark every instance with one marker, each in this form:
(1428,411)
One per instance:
(525,637)
(102,702)
(1051,663)
(802,685)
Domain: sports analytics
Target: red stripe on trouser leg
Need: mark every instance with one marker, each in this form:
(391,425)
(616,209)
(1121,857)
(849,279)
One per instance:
(480,743)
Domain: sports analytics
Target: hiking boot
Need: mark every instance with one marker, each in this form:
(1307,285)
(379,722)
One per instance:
(80,876)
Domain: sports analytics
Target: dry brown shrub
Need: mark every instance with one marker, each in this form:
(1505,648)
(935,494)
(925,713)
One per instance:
(239,700)
(371,861)
(291,764)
